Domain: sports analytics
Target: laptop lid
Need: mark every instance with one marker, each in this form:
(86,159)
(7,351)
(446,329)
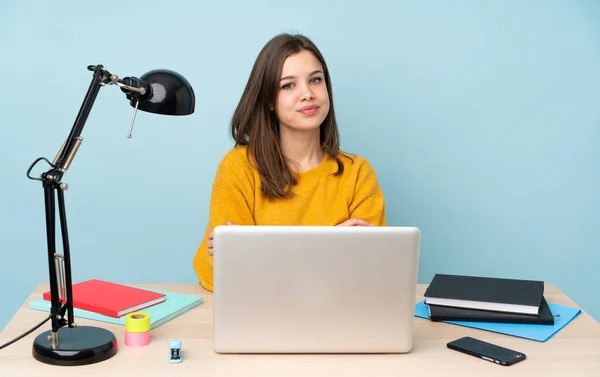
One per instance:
(314,289)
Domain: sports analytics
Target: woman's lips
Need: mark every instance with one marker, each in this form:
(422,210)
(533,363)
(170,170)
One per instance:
(308,110)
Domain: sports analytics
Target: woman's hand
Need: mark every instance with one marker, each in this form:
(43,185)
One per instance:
(210,242)
(349,222)
(355,222)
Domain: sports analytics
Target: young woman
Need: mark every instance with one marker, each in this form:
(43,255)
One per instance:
(286,167)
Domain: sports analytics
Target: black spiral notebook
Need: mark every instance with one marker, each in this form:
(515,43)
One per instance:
(446,313)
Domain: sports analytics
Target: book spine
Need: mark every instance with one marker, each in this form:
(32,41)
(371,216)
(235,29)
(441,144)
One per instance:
(87,307)
(95,309)
(492,320)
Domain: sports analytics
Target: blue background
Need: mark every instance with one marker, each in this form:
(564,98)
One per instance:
(482,120)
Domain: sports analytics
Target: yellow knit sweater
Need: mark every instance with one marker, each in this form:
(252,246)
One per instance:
(320,199)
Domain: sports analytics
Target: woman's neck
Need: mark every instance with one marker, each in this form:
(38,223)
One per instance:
(302,148)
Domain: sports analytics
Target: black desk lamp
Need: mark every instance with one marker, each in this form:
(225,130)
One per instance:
(159,92)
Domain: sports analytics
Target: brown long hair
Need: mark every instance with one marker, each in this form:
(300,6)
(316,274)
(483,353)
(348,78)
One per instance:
(256,126)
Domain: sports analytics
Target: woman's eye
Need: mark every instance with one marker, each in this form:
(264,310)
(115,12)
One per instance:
(288,86)
(316,80)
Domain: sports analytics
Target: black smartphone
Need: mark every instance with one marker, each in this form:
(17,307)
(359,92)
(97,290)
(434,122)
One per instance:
(486,351)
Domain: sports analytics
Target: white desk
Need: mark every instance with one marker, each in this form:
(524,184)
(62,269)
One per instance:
(574,351)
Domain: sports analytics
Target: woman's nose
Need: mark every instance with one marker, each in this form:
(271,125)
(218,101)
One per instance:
(307,92)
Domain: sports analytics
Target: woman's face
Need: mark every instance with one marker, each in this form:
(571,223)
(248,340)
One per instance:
(302,101)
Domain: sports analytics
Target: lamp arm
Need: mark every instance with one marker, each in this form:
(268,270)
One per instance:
(101,77)
(67,152)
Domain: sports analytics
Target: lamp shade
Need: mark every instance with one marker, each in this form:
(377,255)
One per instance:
(169,94)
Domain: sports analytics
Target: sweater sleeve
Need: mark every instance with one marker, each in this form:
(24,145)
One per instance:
(232,200)
(368,201)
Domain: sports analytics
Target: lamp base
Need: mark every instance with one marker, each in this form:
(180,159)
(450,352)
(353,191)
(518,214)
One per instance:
(79,345)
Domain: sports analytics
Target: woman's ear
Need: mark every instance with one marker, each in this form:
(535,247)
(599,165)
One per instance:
(271,108)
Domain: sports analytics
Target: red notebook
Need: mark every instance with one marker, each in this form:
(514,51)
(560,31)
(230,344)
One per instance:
(111,299)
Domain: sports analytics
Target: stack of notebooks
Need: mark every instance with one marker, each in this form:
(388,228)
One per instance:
(104,301)
(506,306)
(486,299)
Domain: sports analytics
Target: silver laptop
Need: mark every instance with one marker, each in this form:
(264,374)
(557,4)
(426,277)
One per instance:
(314,289)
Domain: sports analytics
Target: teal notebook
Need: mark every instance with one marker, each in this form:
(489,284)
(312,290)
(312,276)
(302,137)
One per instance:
(562,316)
(174,305)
